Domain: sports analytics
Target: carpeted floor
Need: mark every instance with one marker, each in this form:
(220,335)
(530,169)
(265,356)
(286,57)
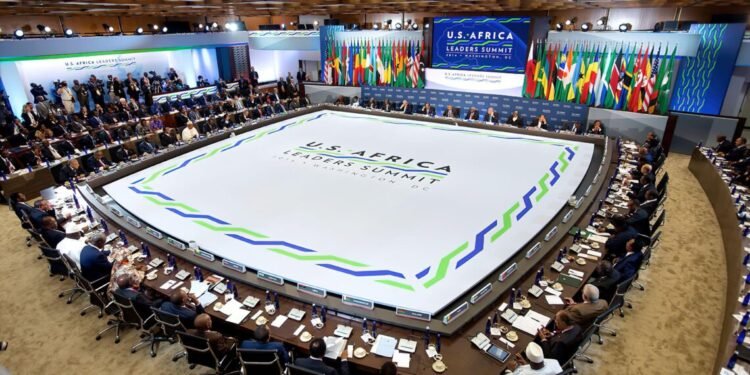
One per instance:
(672,329)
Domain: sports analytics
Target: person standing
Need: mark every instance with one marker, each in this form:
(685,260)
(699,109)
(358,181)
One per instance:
(66,95)
(82,93)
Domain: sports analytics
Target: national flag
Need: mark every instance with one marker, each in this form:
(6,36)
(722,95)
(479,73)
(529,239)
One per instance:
(654,81)
(588,82)
(634,101)
(601,87)
(665,85)
(627,80)
(552,76)
(580,78)
(648,83)
(539,76)
(528,80)
(562,57)
(613,91)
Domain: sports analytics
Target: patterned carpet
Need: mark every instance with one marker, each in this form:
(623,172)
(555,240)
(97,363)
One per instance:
(672,329)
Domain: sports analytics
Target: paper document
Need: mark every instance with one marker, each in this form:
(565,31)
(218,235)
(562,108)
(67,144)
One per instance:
(384,346)
(279,321)
(334,346)
(401,359)
(554,300)
(230,307)
(527,325)
(197,288)
(542,319)
(238,316)
(207,299)
(598,238)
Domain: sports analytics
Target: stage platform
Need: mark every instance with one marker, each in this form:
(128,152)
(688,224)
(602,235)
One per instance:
(404,213)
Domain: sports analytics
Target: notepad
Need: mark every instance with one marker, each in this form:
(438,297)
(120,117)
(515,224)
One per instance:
(384,346)
(401,359)
(238,316)
(279,321)
(526,324)
(334,346)
(197,288)
(231,307)
(554,300)
(207,299)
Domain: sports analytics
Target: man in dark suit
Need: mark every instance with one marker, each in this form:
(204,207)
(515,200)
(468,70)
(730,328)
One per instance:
(71,171)
(605,277)
(301,75)
(562,343)
(50,232)
(7,165)
(638,218)
(515,119)
(739,151)
(405,107)
(263,342)
(315,361)
(651,202)
(629,264)
(94,262)
(491,116)
(723,145)
(449,112)
(184,305)
(123,154)
(221,345)
(622,233)
(639,190)
(65,147)
(146,147)
(128,288)
(98,162)
(427,109)
(253,77)
(473,114)
(87,142)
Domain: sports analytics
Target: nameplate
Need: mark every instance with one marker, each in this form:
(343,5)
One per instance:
(99,198)
(116,211)
(455,313)
(596,178)
(357,302)
(89,189)
(204,254)
(579,202)
(551,233)
(132,221)
(568,216)
(271,278)
(174,243)
(413,314)
(233,265)
(481,293)
(534,249)
(312,290)
(508,271)
(154,232)
(588,191)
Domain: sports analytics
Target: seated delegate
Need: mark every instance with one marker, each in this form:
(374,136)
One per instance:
(491,116)
(94,262)
(315,361)
(427,109)
(540,123)
(537,364)
(597,128)
(263,342)
(515,119)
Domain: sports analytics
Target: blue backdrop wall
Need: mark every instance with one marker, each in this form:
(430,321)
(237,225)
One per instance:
(557,114)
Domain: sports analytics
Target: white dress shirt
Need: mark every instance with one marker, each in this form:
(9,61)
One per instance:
(189,133)
(551,367)
(72,248)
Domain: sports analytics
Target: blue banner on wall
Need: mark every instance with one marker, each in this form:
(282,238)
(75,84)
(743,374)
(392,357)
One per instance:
(703,80)
(496,44)
(559,115)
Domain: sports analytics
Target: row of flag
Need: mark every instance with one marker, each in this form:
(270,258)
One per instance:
(382,63)
(625,77)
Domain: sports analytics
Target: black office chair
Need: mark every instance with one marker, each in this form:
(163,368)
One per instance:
(57,267)
(259,362)
(199,352)
(297,370)
(659,221)
(622,288)
(96,290)
(584,345)
(659,162)
(601,321)
(662,184)
(170,324)
(134,318)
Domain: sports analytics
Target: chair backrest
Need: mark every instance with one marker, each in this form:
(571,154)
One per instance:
(56,265)
(75,273)
(659,221)
(127,309)
(663,182)
(297,370)
(613,306)
(198,350)
(655,238)
(259,361)
(623,286)
(170,323)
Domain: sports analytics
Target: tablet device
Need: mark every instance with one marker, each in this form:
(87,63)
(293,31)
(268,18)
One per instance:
(497,353)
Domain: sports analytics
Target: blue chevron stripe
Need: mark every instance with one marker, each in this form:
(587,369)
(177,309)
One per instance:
(197,216)
(423,273)
(142,192)
(555,174)
(272,243)
(362,273)
(311,119)
(183,165)
(138,180)
(570,153)
(526,202)
(478,245)
(238,143)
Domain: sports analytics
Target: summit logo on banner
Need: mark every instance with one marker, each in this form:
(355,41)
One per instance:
(93,63)
(496,44)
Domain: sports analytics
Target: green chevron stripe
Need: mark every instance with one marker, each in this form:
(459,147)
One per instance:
(543,187)
(432,174)
(563,161)
(157,174)
(170,204)
(506,222)
(228,229)
(309,258)
(396,284)
(210,154)
(486,42)
(443,266)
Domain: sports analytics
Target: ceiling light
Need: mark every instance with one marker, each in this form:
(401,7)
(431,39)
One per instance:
(214,25)
(624,27)
(18,33)
(139,30)
(68,32)
(155,27)
(427,26)
(398,25)
(315,22)
(43,29)
(283,26)
(586,27)
(200,25)
(374,26)
(108,28)
(571,21)
(601,21)
(558,26)
(164,29)
(414,26)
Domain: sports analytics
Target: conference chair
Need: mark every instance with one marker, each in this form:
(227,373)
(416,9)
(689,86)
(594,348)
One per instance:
(659,221)
(58,267)
(297,370)
(170,324)
(662,184)
(580,353)
(199,352)
(644,264)
(601,321)
(259,362)
(659,162)
(132,317)
(96,290)
(622,288)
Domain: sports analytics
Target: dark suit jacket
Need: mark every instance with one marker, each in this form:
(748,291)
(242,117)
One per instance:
(427,111)
(472,115)
(737,153)
(94,165)
(271,345)
(186,314)
(650,207)
(517,122)
(52,237)
(94,263)
(639,221)
(562,345)
(629,265)
(493,119)
(95,122)
(4,167)
(146,147)
(724,147)
(607,285)
(35,216)
(319,366)
(615,245)
(123,154)
(68,173)
(141,302)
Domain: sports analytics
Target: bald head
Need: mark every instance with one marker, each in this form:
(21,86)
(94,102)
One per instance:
(203,322)
(123,281)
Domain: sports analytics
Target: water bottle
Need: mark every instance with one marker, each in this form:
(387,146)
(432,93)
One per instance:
(123,238)
(69,156)
(512,297)
(562,253)
(745,319)
(539,275)
(427,336)
(494,318)
(741,336)
(747,279)
(732,360)
(46,162)
(75,201)
(198,273)
(437,343)
(30,168)
(105,227)
(145,250)
(364,324)
(746,300)
(89,214)
(4,177)
(518,293)
(488,326)
(374,328)
(276,300)
(323,313)
(746,259)
(171,261)
(231,289)
(314,310)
